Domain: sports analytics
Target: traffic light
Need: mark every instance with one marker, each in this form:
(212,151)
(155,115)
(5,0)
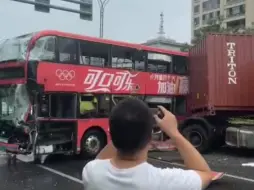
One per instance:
(42,6)
(86,10)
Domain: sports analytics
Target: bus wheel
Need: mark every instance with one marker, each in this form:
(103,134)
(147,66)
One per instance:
(197,135)
(93,142)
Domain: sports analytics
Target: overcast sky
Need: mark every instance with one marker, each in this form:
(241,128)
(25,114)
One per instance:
(126,20)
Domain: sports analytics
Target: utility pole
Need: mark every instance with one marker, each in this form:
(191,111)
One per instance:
(102,5)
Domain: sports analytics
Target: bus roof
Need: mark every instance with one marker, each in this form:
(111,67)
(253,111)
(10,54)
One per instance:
(106,41)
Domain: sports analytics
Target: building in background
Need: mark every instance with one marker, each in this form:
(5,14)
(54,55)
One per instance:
(233,13)
(162,41)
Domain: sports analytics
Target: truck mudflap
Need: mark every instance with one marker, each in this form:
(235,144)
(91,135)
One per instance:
(240,137)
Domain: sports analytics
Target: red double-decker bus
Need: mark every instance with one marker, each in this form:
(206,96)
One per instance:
(57,90)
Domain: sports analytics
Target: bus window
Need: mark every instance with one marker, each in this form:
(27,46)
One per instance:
(67,50)
(15,48)
(127,58)
(154,101)
(140,59)
(159,63)
(103,105)
(116,98)
(44,49)
(140,66)
(95,54)
(122,58)
(88,105)
(180,65)
(63,105)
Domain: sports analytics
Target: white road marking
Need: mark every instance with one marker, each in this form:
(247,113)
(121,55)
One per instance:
(162,161)
(61,174)
(250,164)
(227,175)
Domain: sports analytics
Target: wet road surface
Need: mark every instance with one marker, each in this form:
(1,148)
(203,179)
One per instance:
(224,160)
(61,172)
(226,183)
(31,177)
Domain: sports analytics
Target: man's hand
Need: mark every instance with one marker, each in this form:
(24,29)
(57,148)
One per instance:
(192,158)
(168,123)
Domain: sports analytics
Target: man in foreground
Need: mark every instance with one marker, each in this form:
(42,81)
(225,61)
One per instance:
(122,164)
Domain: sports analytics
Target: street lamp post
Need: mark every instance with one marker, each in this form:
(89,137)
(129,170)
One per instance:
(102,5)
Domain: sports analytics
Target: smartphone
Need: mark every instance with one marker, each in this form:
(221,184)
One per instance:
(157,111)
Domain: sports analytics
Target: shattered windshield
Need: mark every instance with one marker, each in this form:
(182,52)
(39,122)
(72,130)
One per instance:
(14,102)
(44,49)
(7,97)
(15,48)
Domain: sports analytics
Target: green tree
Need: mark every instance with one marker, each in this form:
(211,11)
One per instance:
(216,26)
(185,47)
(212,26)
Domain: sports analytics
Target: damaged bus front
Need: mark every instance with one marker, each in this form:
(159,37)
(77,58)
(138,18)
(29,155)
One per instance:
(14,96)
(15,106)
(22,98)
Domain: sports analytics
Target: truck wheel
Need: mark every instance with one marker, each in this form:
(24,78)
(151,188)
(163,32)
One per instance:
(92,143)
(198,137)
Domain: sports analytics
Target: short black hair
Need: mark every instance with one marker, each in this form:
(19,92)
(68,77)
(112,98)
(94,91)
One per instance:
(131,123)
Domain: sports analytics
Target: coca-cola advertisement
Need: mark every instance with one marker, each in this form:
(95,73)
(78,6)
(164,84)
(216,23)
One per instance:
(89,79)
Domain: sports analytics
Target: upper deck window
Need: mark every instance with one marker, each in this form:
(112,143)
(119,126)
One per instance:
(180,65)
(14,49)
(159,57)
(44,49)
(67,48)
(159,63)
(128,58)
(92,53)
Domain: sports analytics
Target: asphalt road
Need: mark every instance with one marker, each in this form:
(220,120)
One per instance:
(31,177)
(60,172)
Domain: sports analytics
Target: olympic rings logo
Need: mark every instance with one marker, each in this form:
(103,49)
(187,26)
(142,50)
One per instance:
(65,75)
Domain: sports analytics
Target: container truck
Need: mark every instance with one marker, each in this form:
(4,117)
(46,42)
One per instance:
(221,99)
